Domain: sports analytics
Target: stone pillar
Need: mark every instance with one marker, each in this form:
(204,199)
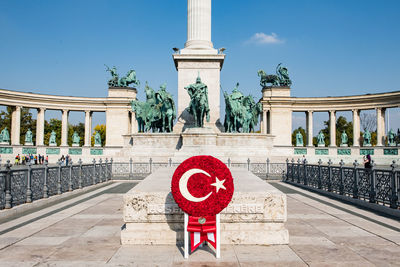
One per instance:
(16,125)
(40,126)
(64,127)
(332,127)
(199,24)
(88,127)
(264,127)
(380,126)
(356,127)
(134,123)
(309,119)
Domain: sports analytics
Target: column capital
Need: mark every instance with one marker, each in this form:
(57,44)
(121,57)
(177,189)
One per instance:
(310,111)
(65,110)
(41,109)
(332,111)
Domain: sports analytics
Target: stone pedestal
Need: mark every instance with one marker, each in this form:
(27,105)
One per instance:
(29,144)
(5,143)
(321,145)
(52,144)
(75,145)
(97,145)
(255,216)
(343,145)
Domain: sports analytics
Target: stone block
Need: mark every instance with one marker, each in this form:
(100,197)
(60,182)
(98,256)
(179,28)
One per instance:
(256,214)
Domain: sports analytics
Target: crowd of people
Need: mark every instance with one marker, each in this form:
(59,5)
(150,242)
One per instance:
(37,159)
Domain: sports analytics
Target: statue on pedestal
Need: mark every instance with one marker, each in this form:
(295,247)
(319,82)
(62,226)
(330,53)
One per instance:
(280,79)
(367,138)
(299,139)
(321,139)
(344,139)
(52,139)
(5,136)
(167,108)
(391,138)
(125,81)
(75,139)
(28,137)
(97,139)
(198,106)
(241,113)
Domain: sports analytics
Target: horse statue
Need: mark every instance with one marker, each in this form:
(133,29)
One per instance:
(167,109)
(198,106)
(273,79)
(130,78)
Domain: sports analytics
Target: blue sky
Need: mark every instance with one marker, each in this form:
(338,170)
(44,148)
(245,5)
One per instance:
(330,47)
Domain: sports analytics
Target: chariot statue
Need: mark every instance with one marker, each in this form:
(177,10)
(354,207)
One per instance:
(124,81)
(241,113)
(281,78)
(198,106)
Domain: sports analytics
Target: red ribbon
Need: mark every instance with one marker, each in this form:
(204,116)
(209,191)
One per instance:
(200,232)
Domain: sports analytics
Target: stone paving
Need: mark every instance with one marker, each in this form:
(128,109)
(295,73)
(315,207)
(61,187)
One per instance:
(323,232)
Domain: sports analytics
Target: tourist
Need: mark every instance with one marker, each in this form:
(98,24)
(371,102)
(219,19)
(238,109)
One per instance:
(47,159)
(66,160)
(367,162)
(16,160)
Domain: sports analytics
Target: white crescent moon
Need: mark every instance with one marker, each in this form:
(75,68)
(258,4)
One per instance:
(183,185)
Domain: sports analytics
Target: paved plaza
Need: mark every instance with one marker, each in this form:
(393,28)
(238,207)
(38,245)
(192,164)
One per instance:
(85,231)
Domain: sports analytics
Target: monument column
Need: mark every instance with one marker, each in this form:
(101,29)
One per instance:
(332,127)
(15,125)
(198,58)
(88,126)
(380,126)
(309,118)
(356,127)
(64,127)
(40,126)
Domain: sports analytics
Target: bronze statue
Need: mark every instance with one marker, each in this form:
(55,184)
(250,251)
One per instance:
(198,106)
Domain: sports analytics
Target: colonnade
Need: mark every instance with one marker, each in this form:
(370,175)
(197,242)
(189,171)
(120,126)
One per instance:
(16,126)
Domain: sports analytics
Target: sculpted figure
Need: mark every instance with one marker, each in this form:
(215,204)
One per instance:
(75,138)
(391,138)
(28,136)
(299,139)
(97,139)
(265,79)
(113,82)
(367,138)
(5,135)
(283,75)
(125,81)
(198,105)
(344,139)
(167,108)
(52,140)
(321,139)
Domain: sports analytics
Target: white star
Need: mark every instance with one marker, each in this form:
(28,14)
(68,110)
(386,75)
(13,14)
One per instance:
(218,184)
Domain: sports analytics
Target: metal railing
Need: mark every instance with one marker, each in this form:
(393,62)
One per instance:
(373,185)
(19,186)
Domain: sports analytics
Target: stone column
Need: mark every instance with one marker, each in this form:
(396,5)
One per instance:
(40,126)
(64,127)
(332,127)
(380,126)
(16,125)
(88,127)
(199,24)
(309,119)
(264,129)
(134,123)
(356,127)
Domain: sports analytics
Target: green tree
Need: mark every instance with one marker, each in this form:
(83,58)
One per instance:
(341,125)
(101,128)
(5,118)
(53,125)
(303,133)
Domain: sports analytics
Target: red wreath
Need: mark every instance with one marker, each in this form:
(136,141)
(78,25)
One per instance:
(200,185)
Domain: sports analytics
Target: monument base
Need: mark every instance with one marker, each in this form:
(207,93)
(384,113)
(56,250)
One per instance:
(321,145)
(52,144)
(97,145)
(29,144)
(344,145)
(367,145)
(255,216)
(75,145)
(5,143)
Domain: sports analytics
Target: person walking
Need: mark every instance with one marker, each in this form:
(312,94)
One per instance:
(368,162)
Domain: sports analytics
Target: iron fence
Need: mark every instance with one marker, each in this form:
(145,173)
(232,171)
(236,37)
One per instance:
(19,186)
(373,185)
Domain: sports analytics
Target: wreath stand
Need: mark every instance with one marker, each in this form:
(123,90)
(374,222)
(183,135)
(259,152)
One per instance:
(217,236)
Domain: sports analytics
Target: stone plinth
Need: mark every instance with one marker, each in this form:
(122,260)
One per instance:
(256,214)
